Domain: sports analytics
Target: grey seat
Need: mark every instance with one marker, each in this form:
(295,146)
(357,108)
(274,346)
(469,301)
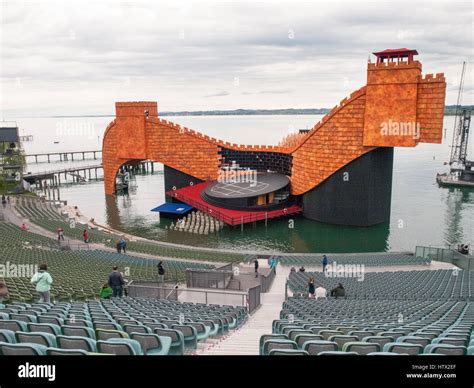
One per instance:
(46,339)
(403,348)
(446,349)
(44,328)
(152,344)
(120,347)
(23,349)
(75,342)
(279,344)
(316,347)
(79,331)
(288,352)
(361,347)
(65,352)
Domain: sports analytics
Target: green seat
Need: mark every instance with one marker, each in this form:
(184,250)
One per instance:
(288,352)
(76,342)
(176,337)
(446,349)
(7,336)
(360,347)
(279,344)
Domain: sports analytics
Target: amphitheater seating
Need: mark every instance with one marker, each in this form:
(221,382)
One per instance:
(376,326)
(47,216)
(435,284)
(367,259)
(137,327)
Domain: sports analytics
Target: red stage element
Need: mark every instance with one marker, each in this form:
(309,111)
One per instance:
(192,196)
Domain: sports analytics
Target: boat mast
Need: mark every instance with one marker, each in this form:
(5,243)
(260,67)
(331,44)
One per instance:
(461,129)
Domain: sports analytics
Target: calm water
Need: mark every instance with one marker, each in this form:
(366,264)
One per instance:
(422,213)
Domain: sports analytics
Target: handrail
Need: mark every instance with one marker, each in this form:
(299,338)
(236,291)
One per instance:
(227,219)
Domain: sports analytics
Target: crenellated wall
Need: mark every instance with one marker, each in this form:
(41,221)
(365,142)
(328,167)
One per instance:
(396,93)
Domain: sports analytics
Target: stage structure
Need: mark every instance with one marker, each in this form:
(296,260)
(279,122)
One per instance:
(339,172)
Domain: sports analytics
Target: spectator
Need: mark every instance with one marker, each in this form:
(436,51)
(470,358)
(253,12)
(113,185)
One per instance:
(3,292)
(105,292)
(86,236)
(161,271)
(311,287)
(123,245)
(116,283)
(43,280)
(292,269)
(60,234)
(302,269)
(320,292)
(325,263)
(4,201)
(118,246)
(8,199)
(338,291)
(23,226)
(256,267)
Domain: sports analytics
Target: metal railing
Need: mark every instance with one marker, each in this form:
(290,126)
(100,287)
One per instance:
(253,301)
(266,281)
(231,298)
(257,216)
(216,278)
(447,255)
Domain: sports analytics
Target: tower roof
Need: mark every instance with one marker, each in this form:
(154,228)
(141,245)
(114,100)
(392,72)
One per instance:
(395,52)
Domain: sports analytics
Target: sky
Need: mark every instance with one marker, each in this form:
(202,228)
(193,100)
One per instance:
(80,57)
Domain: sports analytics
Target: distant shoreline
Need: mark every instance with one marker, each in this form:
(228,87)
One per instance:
(449,110)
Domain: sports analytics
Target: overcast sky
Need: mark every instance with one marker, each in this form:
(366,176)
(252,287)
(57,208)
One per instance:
(80,57)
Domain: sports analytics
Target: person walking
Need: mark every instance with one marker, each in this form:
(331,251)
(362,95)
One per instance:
(116,282)
(60,234)
(256,267)
(3,292)
(86,236)
(43,280)
(123,245)
(4,201)
(118,246)
(325,263)
(311,287)
(161,272)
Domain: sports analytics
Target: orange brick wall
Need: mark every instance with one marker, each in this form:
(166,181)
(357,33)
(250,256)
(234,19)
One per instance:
(351,129)
(430,107)
(332,144)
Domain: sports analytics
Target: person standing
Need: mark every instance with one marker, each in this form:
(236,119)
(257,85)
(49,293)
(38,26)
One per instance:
(311,287)
(86,236)
(43,280)
(3,291)
(256,267)
(161,271)
(123,245)
(60,234)
(116,282)
(325,263)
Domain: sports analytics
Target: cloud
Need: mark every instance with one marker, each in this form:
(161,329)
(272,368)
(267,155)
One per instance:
(220,94)
(81,58)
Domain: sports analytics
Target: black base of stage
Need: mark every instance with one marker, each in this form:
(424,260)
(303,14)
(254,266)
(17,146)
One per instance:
(359,194)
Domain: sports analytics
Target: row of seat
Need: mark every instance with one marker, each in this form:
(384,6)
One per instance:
(449,284)
(81,326)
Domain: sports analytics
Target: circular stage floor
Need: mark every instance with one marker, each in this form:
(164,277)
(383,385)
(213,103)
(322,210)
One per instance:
(248,186)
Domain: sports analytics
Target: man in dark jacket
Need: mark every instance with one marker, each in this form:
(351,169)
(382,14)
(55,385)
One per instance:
(161,271)
(116,283)
(256,268)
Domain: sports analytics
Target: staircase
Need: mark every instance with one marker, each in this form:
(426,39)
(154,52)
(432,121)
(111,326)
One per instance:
(245,340)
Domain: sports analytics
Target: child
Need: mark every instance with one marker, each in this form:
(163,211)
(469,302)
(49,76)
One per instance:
(105,292)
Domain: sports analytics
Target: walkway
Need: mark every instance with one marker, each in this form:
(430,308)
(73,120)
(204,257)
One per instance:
(245,340)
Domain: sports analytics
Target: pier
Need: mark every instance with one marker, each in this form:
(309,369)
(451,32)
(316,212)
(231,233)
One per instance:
(65,156)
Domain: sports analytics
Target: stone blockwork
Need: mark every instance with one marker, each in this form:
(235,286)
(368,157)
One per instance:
(395,93)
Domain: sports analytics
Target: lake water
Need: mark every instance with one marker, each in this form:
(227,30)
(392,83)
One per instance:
(422,213)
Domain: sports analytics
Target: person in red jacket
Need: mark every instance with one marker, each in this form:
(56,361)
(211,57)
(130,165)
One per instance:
(86,236)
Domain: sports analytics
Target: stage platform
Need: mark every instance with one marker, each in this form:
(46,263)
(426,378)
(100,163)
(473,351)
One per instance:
(192,196)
